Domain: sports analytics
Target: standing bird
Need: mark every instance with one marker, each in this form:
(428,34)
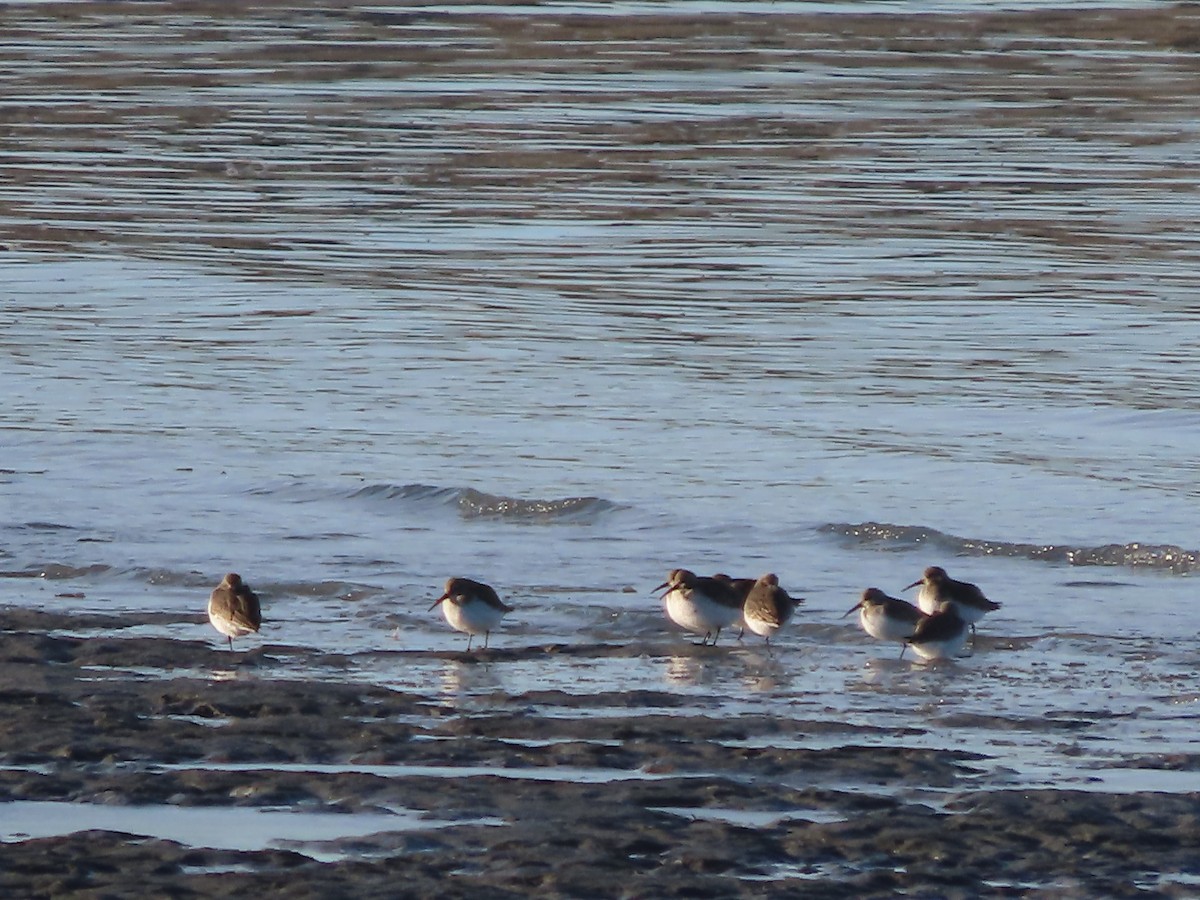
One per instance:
(741,587)
(887,618)
(939,590)
(768,607)
(701,605)
(940,636)
(233,608)
(471,607)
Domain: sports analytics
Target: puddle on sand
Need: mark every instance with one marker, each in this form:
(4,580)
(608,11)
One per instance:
(574,774)
(1158,880)
(216,828)
(1114,780)
(806,871)
(234,868)
(750,818)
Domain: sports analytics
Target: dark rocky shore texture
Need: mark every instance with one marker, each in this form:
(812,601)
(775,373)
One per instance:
(80,724)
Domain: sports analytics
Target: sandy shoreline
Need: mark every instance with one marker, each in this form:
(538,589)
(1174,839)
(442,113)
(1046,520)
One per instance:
(550,802)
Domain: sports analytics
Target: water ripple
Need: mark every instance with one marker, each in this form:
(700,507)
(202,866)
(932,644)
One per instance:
(911,537)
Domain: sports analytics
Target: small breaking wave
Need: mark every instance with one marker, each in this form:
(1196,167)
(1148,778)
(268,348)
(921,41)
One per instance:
(910,537)
(473,504)
(469,502)
(476,504)
(417,492)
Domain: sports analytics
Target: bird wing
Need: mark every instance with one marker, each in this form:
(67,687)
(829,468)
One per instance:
(489,595)
(246,610)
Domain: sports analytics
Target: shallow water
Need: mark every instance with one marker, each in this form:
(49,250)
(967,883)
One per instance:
(222,828)
(351,302)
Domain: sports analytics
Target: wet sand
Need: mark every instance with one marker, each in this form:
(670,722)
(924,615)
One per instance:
(549,802)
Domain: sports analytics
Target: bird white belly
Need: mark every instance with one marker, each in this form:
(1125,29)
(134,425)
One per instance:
(927,601)
(969,614)
(227,626)
(759,627)
(879,625)
(698,614)
(472,617)
(943,649)
(763,627)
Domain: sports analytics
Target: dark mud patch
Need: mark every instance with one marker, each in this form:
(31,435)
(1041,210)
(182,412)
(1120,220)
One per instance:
(531,794)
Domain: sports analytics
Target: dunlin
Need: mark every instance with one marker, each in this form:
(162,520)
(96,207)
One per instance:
(741,587)
(887,618)
(939,590)
(768,607)
(940,636)
(233,608)
(471,607)
(701,605)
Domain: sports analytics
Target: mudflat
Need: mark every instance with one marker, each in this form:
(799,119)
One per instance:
(510,795)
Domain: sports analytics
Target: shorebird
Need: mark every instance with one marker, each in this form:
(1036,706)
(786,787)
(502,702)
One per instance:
(939,590)
(768,607)
(940,636)
(887,618)
(701,605)
(233,608)
(471,607)
(741,587)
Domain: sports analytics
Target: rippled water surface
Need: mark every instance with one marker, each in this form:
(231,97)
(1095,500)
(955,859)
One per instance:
(562,297)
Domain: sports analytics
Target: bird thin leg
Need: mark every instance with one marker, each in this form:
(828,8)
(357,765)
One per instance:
(903,647)
(715,636)
(486,635)
(470,637)
(230,642)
